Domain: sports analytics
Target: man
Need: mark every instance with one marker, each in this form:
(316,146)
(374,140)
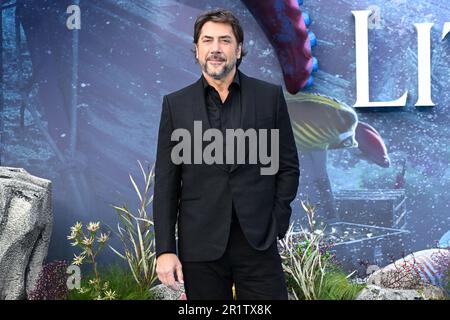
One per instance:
(228,215)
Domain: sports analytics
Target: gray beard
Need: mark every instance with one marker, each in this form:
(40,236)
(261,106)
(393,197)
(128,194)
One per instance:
(220,74)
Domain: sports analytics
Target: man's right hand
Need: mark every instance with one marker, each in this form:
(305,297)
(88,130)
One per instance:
(167,264)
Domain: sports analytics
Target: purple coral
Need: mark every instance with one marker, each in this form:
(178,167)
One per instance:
(52,282)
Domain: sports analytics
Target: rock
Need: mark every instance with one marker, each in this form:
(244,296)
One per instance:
(372,292)
(26,222)
(430,292)
(163,292)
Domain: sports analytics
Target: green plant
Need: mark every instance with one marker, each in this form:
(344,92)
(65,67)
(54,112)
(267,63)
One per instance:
(136,234)
(120,280)
(305,262)
(336,286)
(311,271)
(91,245)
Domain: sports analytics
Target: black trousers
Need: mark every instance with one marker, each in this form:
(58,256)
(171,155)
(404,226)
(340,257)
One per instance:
(256,275)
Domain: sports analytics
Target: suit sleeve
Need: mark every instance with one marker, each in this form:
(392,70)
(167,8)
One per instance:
(287,177)
(167,186)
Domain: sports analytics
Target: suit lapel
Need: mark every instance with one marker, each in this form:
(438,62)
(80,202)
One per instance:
(199,106)
(248,109)
(248,116)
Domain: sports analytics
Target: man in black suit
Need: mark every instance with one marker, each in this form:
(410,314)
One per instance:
(228,214)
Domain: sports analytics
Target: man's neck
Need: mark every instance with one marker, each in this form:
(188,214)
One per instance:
(222,84)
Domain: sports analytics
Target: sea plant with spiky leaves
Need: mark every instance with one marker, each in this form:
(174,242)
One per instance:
(135,232)
(91,243)
(305,262)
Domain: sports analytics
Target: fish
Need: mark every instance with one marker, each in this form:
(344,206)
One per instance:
(320,122)
(285,27)
(371,145)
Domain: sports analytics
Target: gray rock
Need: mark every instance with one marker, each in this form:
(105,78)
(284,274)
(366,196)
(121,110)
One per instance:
(26,222)
(163,292)
(372,292)
(430,292)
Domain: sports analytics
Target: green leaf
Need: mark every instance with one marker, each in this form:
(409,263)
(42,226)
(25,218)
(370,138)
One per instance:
(116,252)
(136,188)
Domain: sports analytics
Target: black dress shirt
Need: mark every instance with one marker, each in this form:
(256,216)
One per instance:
(227,114)
(224,115)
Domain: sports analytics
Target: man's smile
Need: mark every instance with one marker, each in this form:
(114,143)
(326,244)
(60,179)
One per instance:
(216,62)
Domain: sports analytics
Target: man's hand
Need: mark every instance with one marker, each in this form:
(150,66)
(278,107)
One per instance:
(167,265)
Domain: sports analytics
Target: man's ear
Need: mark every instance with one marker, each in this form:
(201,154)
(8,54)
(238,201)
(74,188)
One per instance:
(196,52)
(239,50)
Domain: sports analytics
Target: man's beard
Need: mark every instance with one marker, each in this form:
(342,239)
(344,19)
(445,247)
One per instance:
(222,72)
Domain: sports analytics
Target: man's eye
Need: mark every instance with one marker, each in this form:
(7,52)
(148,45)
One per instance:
(226,40)
(206,40)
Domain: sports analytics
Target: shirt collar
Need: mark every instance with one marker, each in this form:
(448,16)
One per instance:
(236,81)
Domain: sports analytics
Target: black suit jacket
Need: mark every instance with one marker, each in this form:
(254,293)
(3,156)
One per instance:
(198,197)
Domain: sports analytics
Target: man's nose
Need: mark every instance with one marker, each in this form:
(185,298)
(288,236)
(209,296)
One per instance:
(216,47)
(216,52)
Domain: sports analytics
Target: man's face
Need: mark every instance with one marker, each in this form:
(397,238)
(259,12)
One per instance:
(217,49)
